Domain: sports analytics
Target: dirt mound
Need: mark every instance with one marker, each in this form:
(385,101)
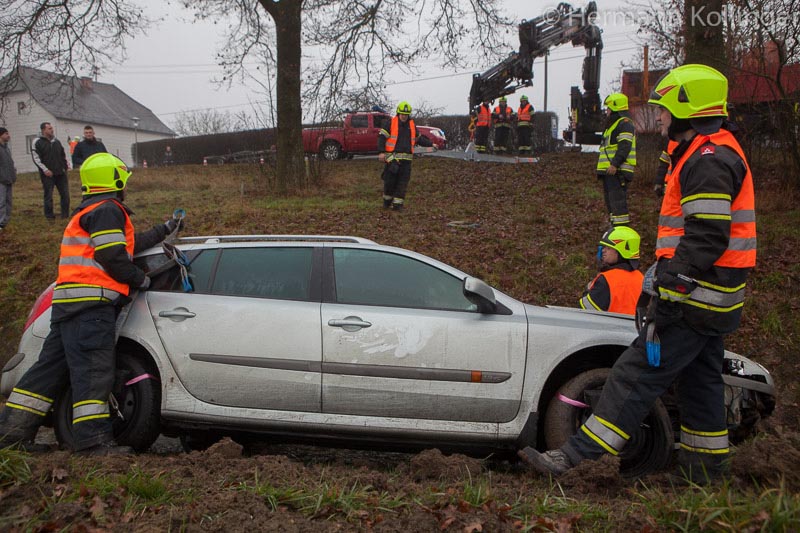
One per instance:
(433,464)
(595,477)
(768,459)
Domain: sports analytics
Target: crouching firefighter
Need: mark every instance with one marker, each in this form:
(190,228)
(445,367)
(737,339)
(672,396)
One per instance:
(706,247)
(396,150)
(616,288)
(95,276)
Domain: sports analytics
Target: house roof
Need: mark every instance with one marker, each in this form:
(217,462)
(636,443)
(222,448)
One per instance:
(84,100)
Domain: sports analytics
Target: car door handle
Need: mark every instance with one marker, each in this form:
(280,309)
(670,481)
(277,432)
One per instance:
(177,314)
(350,323)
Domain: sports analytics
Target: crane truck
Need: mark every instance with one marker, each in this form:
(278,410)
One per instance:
(537,36)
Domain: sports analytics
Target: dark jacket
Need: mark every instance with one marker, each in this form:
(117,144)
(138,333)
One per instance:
(84,149)
(113,259)
(8,172)
(49,155)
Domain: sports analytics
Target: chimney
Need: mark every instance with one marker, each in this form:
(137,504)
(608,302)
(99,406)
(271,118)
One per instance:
(86,83)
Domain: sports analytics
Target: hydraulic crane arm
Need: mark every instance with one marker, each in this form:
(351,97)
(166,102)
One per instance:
(536,37)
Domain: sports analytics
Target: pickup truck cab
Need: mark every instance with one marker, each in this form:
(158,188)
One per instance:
(357,135)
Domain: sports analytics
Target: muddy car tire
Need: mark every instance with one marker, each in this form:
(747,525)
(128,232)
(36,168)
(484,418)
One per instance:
(139,403)
(330,151)
(649,449)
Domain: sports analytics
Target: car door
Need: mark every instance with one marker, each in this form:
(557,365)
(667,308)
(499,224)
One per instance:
(400,339)
(251,336)
(358,135)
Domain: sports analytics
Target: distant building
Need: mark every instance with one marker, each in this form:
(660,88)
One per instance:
(751,88)
(69,103)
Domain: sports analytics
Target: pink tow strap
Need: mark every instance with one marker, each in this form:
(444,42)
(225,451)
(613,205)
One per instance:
(137,379)
(574,403)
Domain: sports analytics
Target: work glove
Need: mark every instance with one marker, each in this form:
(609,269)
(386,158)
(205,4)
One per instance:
(675,287)
(145,284)
(173,223)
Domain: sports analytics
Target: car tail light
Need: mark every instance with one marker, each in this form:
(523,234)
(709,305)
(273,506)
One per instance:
(43,302)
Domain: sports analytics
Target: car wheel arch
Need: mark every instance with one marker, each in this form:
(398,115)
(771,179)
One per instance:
(586,359)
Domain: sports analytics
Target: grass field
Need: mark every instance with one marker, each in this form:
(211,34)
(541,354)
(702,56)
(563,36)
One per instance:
(530,231)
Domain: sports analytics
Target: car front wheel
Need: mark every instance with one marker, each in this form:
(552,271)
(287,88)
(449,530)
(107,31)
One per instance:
(649,448)
(136,417)
(330,150)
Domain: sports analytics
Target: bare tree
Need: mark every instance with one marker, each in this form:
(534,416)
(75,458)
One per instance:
(347,44)
(63,36)
(203,122)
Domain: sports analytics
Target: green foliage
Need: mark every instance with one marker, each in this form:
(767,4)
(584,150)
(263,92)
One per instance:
(14,467)
(722,508)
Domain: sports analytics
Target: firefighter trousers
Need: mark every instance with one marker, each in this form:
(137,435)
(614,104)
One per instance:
(524,139)
(396,176)
(615,193)
(77,351)
(501,136)
(695,361)
(481,138)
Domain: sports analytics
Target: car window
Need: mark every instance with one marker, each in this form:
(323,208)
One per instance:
(199,270)
(368,277)
(282,273)
(359,121)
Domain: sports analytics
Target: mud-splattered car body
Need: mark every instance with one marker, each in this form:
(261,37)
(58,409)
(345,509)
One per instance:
(342,338)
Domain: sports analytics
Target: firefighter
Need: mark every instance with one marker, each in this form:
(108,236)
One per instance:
(95,276)
(396,150)
(482,124)
(664,164)
(502,117)
(617,286)
(617,158)
(706,247)
(524,114)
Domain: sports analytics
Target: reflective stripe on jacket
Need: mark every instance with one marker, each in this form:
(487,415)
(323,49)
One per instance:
(80,277)
(608,150)
(741,252)
(394,130)
(721,289)
(524,115)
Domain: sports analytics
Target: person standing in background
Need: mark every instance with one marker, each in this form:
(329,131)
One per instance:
(90,145)
(51,160)
(8,175)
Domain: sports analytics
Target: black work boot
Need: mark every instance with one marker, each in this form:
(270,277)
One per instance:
(700,469)
(397,206)
(387,203)
(554,462)
(18,428)
(105,449)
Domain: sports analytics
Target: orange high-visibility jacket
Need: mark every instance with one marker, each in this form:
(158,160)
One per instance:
(391,142)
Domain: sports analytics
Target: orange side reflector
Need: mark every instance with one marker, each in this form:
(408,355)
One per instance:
(477,376)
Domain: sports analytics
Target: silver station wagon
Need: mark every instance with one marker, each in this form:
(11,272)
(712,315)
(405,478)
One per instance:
(344,341)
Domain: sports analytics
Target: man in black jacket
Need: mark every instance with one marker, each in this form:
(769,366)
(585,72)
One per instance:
(51,160)
(88,146)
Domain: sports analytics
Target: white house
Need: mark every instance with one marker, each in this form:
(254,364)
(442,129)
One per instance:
(69,103)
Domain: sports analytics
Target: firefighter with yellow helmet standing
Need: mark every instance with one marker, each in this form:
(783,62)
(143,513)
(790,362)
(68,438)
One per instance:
(396,150)
(706,247)
(96,274)
(617,158)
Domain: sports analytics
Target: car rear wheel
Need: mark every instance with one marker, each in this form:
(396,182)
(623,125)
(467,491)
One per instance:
(649,448)
(330,150)
(136,421)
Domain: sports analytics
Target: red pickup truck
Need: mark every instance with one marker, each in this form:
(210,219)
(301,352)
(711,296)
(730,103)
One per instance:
(358,135)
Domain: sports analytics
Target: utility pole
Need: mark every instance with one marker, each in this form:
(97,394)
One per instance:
(546,55)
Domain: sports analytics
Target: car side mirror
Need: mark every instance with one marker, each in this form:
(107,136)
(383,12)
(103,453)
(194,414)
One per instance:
(480,294)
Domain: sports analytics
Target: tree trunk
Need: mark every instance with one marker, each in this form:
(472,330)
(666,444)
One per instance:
(290,167)
(704,24)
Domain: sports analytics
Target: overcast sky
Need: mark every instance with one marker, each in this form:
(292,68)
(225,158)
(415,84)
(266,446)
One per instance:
(172,68)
